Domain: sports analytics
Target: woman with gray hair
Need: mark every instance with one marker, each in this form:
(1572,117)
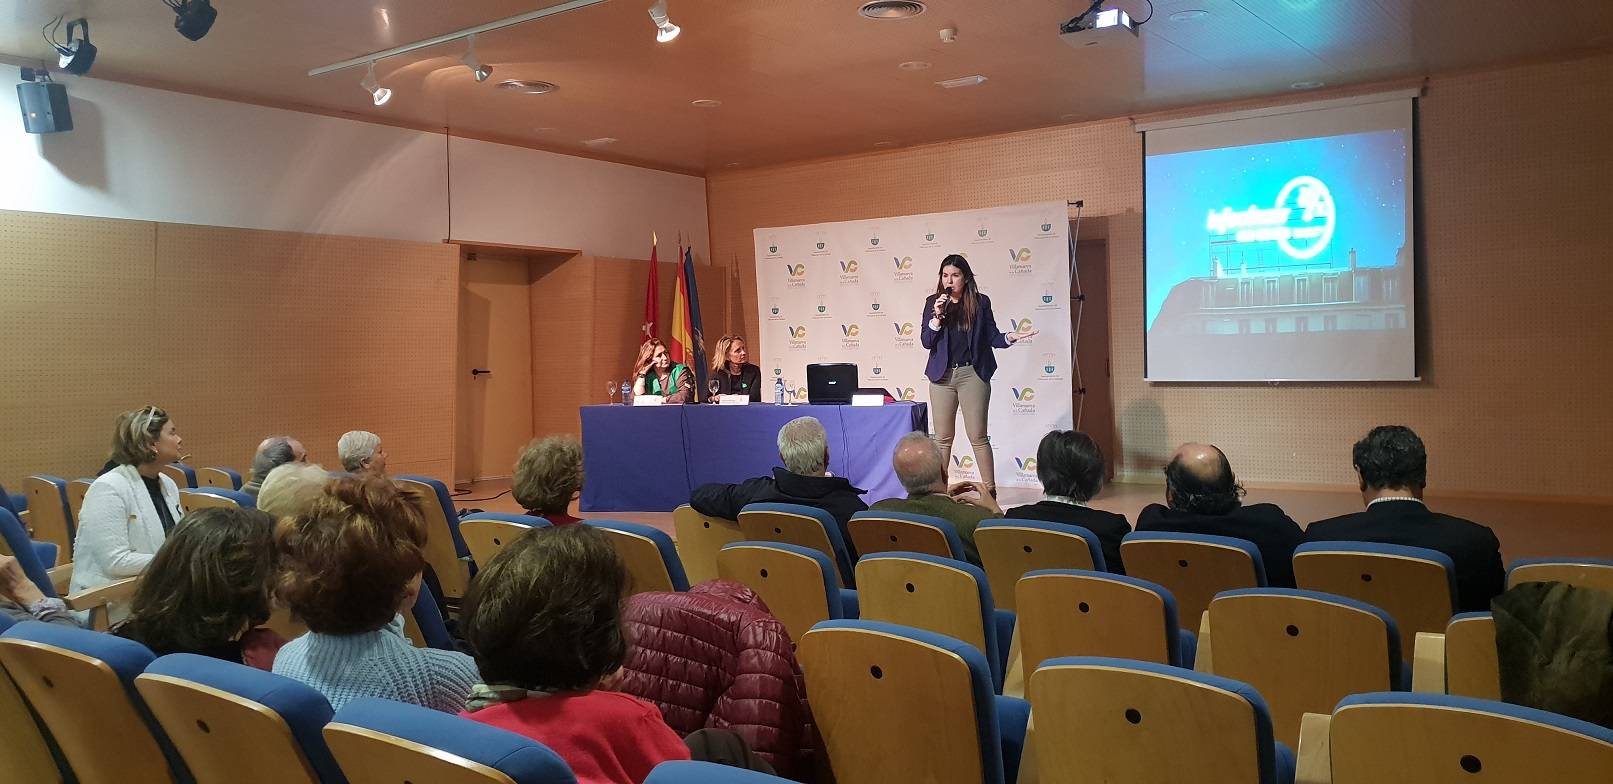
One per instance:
(548,475)
(129,510)
(275,451)
(361,453)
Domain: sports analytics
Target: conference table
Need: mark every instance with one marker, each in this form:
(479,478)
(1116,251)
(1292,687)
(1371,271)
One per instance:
(648,458)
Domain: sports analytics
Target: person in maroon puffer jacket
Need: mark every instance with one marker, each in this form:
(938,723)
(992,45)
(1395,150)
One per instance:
(714,657)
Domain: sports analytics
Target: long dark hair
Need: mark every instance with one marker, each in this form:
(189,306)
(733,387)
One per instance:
(211,580)
(969,298)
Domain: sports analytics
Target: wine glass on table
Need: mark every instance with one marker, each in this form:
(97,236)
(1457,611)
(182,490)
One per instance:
(713,385)
(610,392)
(789,392)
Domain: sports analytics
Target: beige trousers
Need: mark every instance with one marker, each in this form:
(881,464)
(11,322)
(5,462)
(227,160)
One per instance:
(963,387)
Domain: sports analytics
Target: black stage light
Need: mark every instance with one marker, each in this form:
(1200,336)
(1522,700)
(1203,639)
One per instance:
(78,54)
(193,18)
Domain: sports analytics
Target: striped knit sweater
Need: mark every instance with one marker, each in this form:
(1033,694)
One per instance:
(382,663)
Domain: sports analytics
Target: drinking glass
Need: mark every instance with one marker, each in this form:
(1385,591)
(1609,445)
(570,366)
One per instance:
(610,392)
(789,392)
(713,385)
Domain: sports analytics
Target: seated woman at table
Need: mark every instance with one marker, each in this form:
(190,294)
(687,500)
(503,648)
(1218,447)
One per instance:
(656,374)
(733,372)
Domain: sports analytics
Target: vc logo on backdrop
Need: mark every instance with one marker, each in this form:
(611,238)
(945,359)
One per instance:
(848,272)
(1019,261)
(1025,468)
(795,275)
(964,462)
(906,393)
(903,268)
(848,336)
(798,336)
(1024,400)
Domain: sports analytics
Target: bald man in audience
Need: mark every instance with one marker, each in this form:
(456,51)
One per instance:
(1202,496)
(1393,467)
(922,470)
(275,451)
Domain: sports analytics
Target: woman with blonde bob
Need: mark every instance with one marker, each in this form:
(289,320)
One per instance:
(548,475)
(130,509)
(655,373)
(732,370)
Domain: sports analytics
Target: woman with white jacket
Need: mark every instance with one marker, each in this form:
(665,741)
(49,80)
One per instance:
(129,510)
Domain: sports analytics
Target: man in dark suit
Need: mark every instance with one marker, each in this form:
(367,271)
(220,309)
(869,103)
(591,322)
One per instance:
(1069,465)
(1393,467)
(1204,497)
(803,447)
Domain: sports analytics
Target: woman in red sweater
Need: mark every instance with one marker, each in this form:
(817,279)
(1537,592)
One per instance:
(543,620)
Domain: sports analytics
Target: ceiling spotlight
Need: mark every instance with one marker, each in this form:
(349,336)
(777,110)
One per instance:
(1308,84)
(964,81)
(706,103)
(193,18)
(891,9)
(665,29)
(1189,15)
(78,54)
(913,65)
(374,88)
(528,86)
(475,65)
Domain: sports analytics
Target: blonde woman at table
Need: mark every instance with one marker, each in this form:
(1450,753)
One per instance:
(656,374)
(732,371)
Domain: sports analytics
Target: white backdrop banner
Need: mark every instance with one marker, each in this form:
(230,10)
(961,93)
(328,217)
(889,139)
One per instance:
(854,292)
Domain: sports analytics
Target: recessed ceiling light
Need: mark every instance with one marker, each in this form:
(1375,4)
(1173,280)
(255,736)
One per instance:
(706,103)
(544,129)
(1189,15)
(884,144)
(963,81)
(891,9)
(600,142)
(528,86)
(914,65)
(1308,84)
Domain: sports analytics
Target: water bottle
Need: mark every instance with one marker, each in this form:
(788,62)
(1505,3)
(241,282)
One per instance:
(627,394)
(778,390)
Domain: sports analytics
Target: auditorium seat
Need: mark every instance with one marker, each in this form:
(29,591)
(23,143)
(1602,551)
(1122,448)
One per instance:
(445,549)
(1193,567)
(1106,719)
(15,503)
(940,595)
(1010,548)
(220,714)
(219,476)
(210,497)
(896,704)
(377,740)
(800,525)
(1594,573)
(883,532)
(76,490)
(48,512)
(651,559)
(796,583)
(1303,650)
(1441,739)
(424,625)
(25,753)
(692,772)
(485,533)
(35,558)
(1415,585)
(81,683)
(1461,661)
(183,475)
(699,537)
(1072,612)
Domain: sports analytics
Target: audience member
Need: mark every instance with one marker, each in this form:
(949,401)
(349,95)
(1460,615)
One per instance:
(209,590)
(351,563)
(361,453)
(21,600)
(548,475)
(803,446)
(290,488)
(1393,467)
(1204,497)
(129,510)
(543,619)
(1069,465)
(273,452)
(922,471)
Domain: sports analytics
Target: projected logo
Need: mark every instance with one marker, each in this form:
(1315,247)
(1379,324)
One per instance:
(1300,221)
(795,275)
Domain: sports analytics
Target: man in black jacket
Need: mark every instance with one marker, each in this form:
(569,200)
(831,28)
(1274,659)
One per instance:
(1204,497)
(804,479)
(1069,464)
(1393,466)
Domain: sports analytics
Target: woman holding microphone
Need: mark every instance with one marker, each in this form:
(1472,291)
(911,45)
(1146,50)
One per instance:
(960,332)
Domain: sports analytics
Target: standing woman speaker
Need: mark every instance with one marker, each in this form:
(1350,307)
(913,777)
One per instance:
(960,332)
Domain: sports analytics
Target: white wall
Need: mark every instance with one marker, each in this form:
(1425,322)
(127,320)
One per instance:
(148,154)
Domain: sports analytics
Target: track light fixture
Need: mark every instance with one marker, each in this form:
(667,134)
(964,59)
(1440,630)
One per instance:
(192,18)
(78,54)
(665,29)
(380,94)
(475,65)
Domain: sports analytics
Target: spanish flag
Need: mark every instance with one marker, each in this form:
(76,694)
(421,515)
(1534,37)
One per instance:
(687,344)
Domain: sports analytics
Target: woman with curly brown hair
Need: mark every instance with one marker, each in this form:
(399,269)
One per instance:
(208,590)
(352,561)
(548,475)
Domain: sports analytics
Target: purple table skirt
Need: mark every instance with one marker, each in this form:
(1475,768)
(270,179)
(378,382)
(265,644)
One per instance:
(648,458)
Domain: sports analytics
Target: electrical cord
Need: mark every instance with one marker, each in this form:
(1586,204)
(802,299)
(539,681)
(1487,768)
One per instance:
(52,26)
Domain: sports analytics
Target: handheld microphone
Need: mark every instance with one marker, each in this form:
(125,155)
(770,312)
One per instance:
(946,301)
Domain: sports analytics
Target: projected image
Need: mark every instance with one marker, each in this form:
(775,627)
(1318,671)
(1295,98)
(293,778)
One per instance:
(1281,261)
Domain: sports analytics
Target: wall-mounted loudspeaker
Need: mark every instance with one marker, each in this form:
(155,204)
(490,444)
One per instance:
(44,107)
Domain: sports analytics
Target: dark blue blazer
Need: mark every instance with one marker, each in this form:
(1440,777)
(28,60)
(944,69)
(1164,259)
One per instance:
(984,334)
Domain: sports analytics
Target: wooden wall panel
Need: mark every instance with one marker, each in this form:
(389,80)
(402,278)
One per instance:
(238,333)
(1514,285)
